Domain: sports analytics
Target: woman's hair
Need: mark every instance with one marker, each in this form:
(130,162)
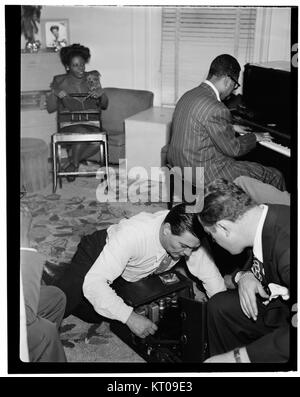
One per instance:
(54,27)
(224,200)
(182,219)
(71,51)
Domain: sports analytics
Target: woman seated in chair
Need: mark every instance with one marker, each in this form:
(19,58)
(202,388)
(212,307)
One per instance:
(77,81)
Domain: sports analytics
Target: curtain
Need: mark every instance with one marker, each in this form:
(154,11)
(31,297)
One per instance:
(193,36)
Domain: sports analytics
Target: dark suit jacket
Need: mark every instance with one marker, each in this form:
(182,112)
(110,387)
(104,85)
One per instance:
(203,136)
(31,270)
(274,347)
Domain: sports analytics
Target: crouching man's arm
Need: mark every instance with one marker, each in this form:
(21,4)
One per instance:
(141,325)
(96,286)
(202,265)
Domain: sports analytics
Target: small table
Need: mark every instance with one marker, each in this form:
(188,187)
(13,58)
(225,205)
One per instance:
(145,134)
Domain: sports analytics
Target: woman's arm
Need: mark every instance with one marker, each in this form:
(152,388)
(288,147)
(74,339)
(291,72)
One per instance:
(60,90)
(56,92)
(103,101)
(51,102)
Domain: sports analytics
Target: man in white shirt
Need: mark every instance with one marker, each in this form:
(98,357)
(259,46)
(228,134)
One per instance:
(134,249)
(250,323)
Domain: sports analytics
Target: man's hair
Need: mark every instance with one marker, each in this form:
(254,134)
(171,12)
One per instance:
(224,65)
(53,27)
(182,219)
(69,52)
(224,200)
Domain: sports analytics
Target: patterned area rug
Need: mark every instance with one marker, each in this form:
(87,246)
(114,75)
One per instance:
(59,222)
(84,342)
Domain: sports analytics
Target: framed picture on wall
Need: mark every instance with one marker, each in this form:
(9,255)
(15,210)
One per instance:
(55,33)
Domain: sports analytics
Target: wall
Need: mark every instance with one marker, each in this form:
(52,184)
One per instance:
(280,43)
(272,35)
(125,44)
(125,41)
(125,48)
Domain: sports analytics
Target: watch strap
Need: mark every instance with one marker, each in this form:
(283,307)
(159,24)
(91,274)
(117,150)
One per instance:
(237,355)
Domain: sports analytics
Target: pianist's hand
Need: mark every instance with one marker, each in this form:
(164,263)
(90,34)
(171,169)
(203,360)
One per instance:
(141,325)
(263,136)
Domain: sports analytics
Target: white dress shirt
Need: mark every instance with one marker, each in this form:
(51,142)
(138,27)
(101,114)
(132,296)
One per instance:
(214,88)
(133,251)
(257,245)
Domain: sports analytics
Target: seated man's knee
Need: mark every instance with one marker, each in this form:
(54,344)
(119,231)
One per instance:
(58,297)
(49,329)
(221,302)
(278,172)
(216,301)
(40,335)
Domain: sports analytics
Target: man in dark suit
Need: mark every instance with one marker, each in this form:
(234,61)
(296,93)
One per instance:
(250,323)
(44,305)
(203,135)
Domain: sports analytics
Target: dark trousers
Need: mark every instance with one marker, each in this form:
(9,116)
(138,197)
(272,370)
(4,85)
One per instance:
(228,328)
(72,280)
(42,329)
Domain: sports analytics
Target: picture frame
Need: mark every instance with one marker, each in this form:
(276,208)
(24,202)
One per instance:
(55,34)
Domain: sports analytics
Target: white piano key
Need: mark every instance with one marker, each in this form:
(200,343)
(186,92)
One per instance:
(277,148)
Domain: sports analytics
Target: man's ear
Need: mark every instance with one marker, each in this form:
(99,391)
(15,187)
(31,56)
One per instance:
(227,81)
(166,229)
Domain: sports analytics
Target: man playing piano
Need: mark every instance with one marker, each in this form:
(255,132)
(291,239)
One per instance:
(203,134)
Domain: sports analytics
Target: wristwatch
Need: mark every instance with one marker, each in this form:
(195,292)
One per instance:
(237,355)
(236,278)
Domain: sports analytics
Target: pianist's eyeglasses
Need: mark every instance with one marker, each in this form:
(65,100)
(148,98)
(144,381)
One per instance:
(236,84)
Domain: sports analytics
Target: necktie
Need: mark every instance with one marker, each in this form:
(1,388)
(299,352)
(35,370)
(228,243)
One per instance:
(259,272)
(164,264)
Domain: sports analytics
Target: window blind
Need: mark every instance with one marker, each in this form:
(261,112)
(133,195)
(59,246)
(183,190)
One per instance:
(193,36)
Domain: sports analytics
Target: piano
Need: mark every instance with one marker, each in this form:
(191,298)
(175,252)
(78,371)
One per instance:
(272,145)
(284,150)
(265,106)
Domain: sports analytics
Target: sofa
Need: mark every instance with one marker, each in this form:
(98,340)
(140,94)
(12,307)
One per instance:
(123,103)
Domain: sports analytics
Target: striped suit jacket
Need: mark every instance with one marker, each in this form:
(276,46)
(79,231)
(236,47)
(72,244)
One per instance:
(203,136)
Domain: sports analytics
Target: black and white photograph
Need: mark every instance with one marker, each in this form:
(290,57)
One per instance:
(55,32)
(158,191)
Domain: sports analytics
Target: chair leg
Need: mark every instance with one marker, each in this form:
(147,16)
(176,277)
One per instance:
(54,166)
(101,155)
(170,203)
(106,162)
(59,164)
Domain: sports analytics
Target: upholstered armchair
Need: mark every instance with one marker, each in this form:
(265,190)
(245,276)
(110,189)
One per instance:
(123,103)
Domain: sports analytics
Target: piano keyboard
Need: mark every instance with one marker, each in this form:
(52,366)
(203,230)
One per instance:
(277,148)
(286,151)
